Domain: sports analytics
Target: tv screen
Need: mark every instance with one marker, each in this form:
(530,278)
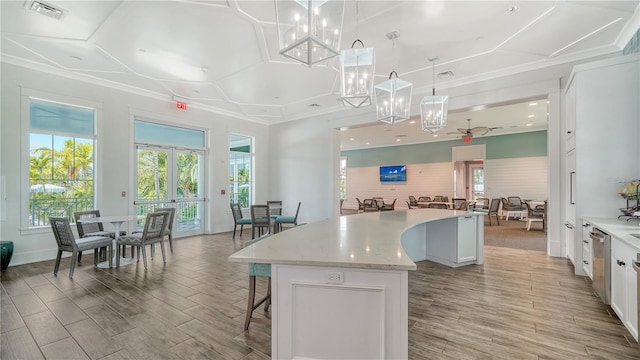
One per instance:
(393,173)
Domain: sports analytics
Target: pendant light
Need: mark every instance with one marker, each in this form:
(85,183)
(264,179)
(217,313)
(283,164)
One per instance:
(433,109)
(393,97)
(356,73)
(309,31)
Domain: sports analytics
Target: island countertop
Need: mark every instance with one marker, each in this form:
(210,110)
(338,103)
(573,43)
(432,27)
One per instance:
(370,240)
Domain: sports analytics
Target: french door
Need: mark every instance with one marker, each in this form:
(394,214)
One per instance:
(171,177)
(476,181)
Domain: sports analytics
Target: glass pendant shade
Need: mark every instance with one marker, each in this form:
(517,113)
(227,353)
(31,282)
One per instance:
(309,31)
(393,100)
(356,76)
(433,113)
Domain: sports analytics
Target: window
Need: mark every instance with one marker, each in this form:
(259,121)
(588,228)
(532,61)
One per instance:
(240,169)
(343,178)
(61,160)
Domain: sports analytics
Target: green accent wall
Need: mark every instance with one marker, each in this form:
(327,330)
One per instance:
(528,144)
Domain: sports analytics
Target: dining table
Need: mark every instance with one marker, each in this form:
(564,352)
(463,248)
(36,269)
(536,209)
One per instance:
(116,221)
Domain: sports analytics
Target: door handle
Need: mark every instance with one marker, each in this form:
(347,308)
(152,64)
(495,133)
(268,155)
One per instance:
(572,176)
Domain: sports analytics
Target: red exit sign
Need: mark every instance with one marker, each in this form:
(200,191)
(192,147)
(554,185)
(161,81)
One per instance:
(181,105)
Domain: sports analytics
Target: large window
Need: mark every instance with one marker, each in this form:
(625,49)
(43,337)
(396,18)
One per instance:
(343,178)
(240,169)
(61,160)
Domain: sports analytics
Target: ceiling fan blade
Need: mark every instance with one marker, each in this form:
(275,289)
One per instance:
(464,131)
(479,129)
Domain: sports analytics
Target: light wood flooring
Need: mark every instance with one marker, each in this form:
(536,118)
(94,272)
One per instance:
(520,304)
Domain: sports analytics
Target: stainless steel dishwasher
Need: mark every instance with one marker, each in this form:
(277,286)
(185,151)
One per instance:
(601,243)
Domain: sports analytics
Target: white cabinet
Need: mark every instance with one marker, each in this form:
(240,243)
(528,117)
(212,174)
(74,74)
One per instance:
(601,142)
(587,250)
(624,286)
(466,250)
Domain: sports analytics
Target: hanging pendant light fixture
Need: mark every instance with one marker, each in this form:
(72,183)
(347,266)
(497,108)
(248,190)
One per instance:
(356,73)
(393,97)
(433,109)
(309,30)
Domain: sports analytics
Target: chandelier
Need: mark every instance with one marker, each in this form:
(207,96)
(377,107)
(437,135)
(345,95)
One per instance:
(309,31)
(433,109)
(356,73)
(393,96)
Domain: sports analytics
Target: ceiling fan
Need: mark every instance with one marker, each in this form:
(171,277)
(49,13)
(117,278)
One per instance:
(469,132)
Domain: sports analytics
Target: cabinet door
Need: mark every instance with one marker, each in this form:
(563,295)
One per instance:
(466,239)
(569,235)
(618,285)
(631,322)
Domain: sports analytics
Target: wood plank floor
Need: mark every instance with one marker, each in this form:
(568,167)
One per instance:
(520,304)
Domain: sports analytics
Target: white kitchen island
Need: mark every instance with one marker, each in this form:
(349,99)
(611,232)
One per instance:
(339,286)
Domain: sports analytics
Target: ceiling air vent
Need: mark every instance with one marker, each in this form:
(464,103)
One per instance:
(445,74)
(46,9)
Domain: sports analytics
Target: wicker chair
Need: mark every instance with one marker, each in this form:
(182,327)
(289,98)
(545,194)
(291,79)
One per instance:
(238,219)
(260,220)
(67,242)
(155,227)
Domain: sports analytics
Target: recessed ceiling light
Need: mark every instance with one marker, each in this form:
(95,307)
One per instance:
(512,9)
(533,104)
(367,143)
(435,135)
(531,116)
(397,139)
(351,139)
(412,122)
(529,124)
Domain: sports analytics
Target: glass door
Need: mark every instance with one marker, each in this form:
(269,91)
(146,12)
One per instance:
(170,177)
(476,180)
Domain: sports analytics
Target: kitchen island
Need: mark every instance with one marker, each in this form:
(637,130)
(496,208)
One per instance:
(339,286)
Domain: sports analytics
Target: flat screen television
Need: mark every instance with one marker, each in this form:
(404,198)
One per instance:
(393,173)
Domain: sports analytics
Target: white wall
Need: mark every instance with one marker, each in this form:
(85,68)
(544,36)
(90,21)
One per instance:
(422,180)
(115,152)
(524,177)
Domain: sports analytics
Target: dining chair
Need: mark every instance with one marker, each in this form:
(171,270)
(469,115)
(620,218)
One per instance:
(67,242)
(260,220)
(438,206)
(412,201)
(169,231)
(457,201)
(536,214)
(275,208)
(492,210)
(462,206)
(388,207)
(257,270)
(360,205)
(93,229)
(424,198)
(512,208)
(370,205)
(238,219)
(287,219)
(155,227)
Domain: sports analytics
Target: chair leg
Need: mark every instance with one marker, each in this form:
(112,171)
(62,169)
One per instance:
(79,257)
(96,255)
(117,255)
(138,253)
(164,258)
(253,232)
(111,257)
(241,226)
(74,258)
(144,256)
(57,265)
(234,231)
(153,250)
(252,298)
(267,303)
(171,243)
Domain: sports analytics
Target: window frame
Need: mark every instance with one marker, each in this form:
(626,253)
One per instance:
(26,96)
(252,157)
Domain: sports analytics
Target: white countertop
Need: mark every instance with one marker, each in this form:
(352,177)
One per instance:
(370,240)
(619,229)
